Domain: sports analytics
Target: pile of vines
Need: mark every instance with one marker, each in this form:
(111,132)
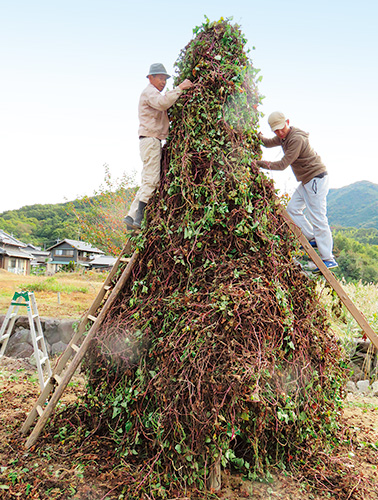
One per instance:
(217,349)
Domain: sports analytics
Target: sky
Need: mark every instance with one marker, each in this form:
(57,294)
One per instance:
(72,72)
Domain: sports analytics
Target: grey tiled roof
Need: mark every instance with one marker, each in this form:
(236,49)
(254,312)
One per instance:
(79,245)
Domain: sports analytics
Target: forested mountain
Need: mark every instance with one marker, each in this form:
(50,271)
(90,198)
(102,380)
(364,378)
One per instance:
(42,225)
(355,205)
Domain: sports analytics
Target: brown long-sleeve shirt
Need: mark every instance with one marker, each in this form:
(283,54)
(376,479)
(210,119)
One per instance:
(153,116)
(305,162)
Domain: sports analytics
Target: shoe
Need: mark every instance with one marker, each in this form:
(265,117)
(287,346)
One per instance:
(139,215)
(330,264)
(129,221)
(312,243)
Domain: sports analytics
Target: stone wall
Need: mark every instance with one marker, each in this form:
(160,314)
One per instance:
(57,333)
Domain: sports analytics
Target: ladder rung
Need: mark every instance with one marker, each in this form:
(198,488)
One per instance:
(39,338)
(107,287)
(124,259)
(39,410)
(44,359)
(6,336)
(75,347)
(57,378)
(92,318)
(35,316)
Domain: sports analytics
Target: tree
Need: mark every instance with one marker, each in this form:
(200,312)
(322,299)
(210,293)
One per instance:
(101,220)
(357,261)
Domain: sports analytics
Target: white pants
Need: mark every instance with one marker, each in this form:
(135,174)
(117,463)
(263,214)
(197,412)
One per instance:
(313,197)
(150,153)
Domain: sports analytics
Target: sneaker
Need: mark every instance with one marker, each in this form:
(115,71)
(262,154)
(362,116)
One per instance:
(330,264)
(312,243)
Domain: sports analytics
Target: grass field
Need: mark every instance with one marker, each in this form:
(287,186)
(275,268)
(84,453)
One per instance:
(64,295)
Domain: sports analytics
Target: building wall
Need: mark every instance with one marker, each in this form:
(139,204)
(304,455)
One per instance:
(64,253)
(16,265)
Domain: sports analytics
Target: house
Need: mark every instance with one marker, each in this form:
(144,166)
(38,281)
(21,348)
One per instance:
(66,251)
(102,262)
(14,256)
(40,257)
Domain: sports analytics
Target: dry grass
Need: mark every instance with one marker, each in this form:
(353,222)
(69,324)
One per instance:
(73,303)
(364,297)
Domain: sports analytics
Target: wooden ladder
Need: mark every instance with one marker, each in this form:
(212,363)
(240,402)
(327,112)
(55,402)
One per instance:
(58,382)
(27,299)
(329,276)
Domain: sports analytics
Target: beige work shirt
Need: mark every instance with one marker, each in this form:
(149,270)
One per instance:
(153,116)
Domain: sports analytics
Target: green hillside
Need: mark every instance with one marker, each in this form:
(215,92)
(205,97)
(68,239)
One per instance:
(42,225)
(355,205)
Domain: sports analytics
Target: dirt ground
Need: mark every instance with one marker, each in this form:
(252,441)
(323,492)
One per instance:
(91,472)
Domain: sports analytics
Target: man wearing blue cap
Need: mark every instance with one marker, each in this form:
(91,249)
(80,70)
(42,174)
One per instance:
(312,191)
(153,128)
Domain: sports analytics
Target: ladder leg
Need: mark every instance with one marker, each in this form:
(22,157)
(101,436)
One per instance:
(40,403)
(40,336)
(36,350)
(8,323)
(6,333)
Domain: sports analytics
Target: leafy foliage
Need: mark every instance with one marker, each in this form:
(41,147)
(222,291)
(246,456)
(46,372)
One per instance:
(41,225)
(218,348)
(101,222)
(356,251)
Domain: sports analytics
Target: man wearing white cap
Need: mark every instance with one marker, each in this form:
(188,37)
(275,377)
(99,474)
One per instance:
(312,191)
(153,128)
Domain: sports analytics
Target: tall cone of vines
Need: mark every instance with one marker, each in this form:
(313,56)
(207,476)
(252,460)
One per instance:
(217,348)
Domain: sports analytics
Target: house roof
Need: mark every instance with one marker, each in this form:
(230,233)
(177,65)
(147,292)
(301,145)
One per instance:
(36,251)
(7,239)
(16,252)
(78,245)
(103,260)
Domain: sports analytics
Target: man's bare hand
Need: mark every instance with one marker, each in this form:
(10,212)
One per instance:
(186,84)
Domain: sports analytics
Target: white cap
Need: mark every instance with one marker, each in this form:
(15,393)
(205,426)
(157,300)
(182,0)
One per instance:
(277,120)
